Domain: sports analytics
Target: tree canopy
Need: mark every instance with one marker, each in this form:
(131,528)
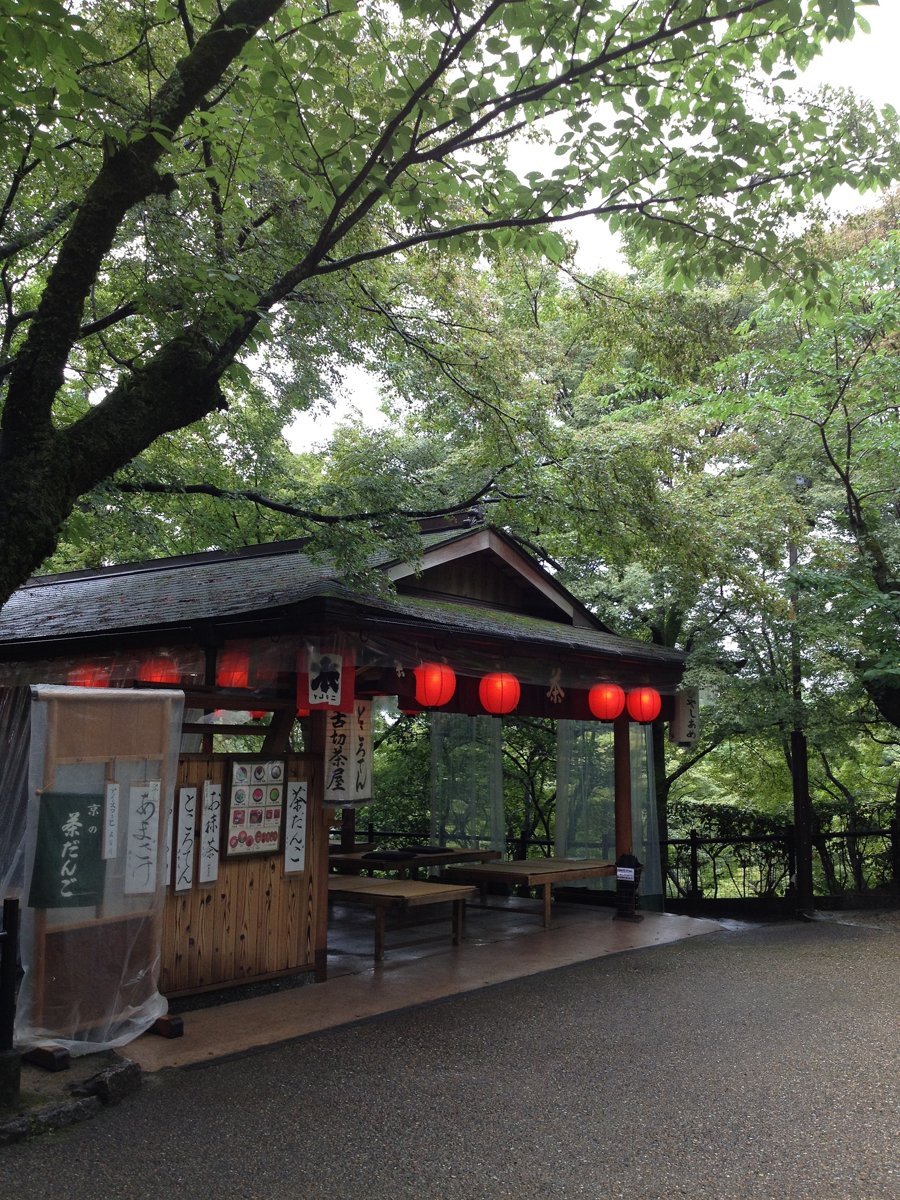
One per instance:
(207,205)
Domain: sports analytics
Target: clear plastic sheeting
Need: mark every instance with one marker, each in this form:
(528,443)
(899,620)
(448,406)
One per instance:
(101,767)
(15,713)
(585,792)
(552,665)
(586,802)
(467,781)
(644,821)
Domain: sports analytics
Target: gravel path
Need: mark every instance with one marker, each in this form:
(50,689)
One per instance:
(758,1062)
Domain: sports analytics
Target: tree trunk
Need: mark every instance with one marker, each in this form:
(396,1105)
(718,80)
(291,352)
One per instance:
(43,475)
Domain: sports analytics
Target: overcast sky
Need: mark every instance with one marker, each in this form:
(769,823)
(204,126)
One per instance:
(868,63)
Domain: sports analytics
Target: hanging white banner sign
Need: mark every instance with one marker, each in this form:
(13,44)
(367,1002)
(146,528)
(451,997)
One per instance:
(684,728)
(348,755)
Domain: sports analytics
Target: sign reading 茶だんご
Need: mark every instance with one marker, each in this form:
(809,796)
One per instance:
(69,871)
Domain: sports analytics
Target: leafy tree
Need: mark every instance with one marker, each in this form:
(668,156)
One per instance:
(191,189)
(818,394)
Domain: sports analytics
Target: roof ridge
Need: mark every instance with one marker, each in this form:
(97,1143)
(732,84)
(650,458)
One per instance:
(151,565)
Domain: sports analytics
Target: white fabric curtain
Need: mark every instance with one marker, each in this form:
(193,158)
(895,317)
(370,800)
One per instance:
(467,781)
(585,799)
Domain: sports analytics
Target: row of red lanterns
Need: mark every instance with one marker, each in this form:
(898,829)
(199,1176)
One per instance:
(500,692)
(233,672)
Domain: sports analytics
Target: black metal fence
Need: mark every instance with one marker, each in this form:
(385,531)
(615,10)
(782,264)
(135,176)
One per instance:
(763,867)
(758,868)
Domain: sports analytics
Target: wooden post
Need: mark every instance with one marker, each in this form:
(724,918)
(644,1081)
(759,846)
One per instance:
(318,732)
(622,778)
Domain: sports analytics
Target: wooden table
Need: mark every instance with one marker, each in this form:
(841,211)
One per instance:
(371,860)
(531,872)
(401,894)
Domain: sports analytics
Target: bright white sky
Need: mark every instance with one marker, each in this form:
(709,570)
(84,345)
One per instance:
(868,64)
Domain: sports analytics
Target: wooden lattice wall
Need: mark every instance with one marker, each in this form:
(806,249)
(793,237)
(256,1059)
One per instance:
(255,921)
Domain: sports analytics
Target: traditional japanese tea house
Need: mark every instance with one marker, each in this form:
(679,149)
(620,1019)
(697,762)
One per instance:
(254,637)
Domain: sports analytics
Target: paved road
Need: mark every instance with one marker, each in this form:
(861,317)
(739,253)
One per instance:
(755,1063)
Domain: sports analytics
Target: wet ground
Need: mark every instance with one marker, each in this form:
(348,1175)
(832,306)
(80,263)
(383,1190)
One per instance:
(751,1063)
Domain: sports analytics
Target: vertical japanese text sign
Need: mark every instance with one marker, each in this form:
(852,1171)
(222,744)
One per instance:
(295,828)
(142,846)
(348,755)
(684,728)
(362,750)
(184,844)
(210,829)
(69,871)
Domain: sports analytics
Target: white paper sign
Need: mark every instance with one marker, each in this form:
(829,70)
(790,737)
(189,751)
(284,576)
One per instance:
(361,748)
(184,841)
(295,828)
(625,873)
(142,845)
(348,755)
(210,830)
(111,822)
(325,678)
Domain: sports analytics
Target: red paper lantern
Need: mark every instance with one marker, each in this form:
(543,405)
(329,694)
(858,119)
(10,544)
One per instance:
(233,669)
(606,701)
(435,684)
(258,714)
(90,675)
(159,669)
(499,693)
(644,704)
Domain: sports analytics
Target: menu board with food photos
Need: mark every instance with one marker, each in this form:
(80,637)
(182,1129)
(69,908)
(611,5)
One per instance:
(256,808)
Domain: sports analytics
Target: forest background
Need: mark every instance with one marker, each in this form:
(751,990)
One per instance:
(209,213)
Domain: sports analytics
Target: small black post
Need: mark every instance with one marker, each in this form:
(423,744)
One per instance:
(895,853)
(628,880)
(695,892)
(791,860)
(10,1059)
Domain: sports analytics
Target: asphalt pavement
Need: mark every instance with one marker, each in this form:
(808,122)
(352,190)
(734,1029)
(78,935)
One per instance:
(754,1062)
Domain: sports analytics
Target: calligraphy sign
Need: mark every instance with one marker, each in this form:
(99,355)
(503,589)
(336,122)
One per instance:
(69,871)
(142,843)
(325,679)
(684,728)
(184,842)
(210,828)
(348,755)
(362,750)
(295,830)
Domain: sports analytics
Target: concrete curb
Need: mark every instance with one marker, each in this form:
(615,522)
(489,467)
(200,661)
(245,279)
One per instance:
(89,1096)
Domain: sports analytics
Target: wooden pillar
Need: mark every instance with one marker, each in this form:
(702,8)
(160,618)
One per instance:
(622,779)
(318,731)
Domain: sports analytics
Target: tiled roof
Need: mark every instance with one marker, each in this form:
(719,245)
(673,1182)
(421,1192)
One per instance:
(218,586)
(518,627)
(167,592)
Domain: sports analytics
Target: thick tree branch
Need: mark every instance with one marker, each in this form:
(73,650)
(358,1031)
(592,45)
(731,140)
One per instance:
(128,176)
(314,516)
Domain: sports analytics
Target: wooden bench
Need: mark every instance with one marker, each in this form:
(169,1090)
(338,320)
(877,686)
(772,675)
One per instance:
(531,872)
(405,861)
(401,894)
